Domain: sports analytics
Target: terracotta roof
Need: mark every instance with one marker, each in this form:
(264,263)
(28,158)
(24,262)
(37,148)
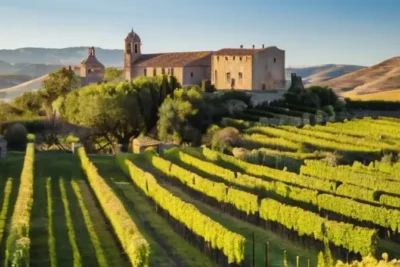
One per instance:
(91,59)
(178,59)
(237,51)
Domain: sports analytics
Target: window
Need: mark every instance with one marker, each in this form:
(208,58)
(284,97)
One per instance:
(215,76)
(233,84)
(218,58)
(168,71)
(145,72)
(154,72)
(263,86)
(233,58)
(240,77)
(191,75)
(228,77)
(172,71)
(89,71)
(274,59)
(136,48)
(240,58)
(163,71)
(226,58)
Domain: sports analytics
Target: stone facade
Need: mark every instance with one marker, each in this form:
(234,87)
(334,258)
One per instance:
(243,69)
(91,70)
(249,69)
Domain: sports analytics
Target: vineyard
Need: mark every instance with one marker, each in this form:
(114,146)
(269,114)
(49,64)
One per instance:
(290,194)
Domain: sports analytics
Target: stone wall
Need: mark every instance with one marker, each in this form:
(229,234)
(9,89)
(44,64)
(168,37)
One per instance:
(3,149)
(221,65)
(269,69)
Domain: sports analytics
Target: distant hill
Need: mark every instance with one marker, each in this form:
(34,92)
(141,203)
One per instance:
(31,85)
(379,78)
(62,56)
(13,80)
(315,75)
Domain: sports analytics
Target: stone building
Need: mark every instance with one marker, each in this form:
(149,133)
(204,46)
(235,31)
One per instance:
(249,69)
(238,68)
(187,67)
(90,69)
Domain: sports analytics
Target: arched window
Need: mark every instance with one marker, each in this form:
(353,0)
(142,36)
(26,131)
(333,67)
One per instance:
(154,72)
(136,48)
(274,59)
(215,77)
(191,75)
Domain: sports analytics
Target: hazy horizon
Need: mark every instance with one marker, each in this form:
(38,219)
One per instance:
(311,32)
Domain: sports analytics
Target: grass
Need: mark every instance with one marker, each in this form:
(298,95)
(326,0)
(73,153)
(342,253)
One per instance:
(71,233)
(10,168)
(164,242)
(392,95)
(67,227)
(277,245)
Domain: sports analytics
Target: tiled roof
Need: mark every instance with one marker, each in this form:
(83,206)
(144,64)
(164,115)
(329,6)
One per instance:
(133,36)
(92,60)
(178,59)
(237,52)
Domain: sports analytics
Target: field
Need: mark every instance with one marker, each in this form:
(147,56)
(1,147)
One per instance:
(393,95)
(199,207)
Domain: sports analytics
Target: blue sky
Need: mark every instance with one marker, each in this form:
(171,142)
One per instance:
(312,32)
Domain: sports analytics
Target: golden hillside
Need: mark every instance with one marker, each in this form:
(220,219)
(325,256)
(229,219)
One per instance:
(381,77)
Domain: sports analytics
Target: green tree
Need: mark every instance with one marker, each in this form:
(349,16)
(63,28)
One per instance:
(115,112)
(112,74)
(57,84)
(29,101)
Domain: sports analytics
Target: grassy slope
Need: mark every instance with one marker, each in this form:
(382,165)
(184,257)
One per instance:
(277,244)
(393,95)
(71,236)
(166,241)
(10,167)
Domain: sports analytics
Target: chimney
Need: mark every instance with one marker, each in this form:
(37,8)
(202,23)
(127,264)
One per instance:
(263,46)
(241,46)
(254,46)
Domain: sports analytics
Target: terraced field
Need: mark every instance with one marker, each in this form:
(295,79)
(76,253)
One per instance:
(199,207)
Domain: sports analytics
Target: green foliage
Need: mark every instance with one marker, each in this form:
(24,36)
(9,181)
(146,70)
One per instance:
(238,95)
(328,109)
(134,244)
(57,84)
(16,136)
(31,138)
(112,74)
(18,242)
(231,244)
(29,101)
(353,238)
(115,112)
(325,94)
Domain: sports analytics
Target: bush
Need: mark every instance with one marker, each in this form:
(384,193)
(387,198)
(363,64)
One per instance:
(329,110)
(224,139)
(238,95)
(16,136)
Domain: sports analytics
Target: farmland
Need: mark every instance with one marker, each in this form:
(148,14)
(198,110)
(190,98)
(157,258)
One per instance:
(331,186)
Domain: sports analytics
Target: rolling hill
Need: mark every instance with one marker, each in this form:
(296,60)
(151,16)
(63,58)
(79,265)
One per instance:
(317,74)
(382,77)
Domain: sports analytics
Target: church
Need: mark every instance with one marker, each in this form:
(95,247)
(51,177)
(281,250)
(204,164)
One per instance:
(229,68)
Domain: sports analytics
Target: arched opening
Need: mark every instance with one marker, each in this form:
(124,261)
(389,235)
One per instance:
(136,48)
(191,75)
(263,86)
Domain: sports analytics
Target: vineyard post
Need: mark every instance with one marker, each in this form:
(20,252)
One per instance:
(266,254)
(308,263)
(254,245)
(297,261)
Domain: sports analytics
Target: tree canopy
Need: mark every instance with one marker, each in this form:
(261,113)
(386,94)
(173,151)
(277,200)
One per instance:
(112,74)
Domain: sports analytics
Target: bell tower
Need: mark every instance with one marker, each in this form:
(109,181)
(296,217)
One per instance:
(131,54)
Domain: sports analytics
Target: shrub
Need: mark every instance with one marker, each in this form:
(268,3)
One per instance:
(16,136)
(225,138)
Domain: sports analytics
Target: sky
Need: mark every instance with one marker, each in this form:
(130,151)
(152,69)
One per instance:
(312,32)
